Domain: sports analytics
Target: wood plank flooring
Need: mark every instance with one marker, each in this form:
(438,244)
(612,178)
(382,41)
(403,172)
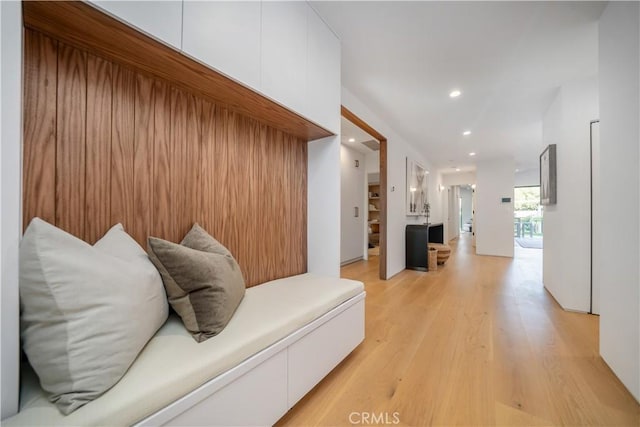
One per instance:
(477,343)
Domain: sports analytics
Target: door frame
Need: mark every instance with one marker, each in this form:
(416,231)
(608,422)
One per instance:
(344,112)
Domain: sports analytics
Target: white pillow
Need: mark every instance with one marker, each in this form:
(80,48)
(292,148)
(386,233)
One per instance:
(86,311)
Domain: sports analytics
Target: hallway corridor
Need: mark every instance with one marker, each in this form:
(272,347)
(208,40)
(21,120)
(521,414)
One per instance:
(479,342)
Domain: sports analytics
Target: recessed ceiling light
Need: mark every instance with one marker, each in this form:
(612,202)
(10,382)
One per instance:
(455,93)
(472,154)
(466,133)
(457,169)
(352,140)
(517,170)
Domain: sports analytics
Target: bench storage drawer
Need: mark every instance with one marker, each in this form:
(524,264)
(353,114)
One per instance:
(313,356)
(256,398)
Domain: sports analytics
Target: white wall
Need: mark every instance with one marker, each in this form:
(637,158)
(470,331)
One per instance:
(323,206)
(528,178)
(438,193)
(439,201)
(619,160)
(494,219)
(460,178)
(373,162)
(352,188)
(567,242)
(397,151)
(10,196)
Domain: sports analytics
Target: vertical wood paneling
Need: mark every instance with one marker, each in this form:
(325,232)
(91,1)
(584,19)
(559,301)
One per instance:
(39,172)
(179,166)
(162,184)
(224,201)
(242,163)
(123,147)
(265,184)
(143,159)
(157,159)
(232,185)
(255,170)
(98,157)
(301,204)
(295,202)
(206,204)
(287,147)
(70,146)
(279,205)
(193,154)
(271,206)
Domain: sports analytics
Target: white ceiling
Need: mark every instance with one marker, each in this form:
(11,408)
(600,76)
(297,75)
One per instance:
(508,58)
(350,131)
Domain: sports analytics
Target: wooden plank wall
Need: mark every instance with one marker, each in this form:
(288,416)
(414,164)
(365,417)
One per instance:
(105,144)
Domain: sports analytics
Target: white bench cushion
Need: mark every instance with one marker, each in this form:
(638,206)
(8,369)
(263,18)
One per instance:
(173,364)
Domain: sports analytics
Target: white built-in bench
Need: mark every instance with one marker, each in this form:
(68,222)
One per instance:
(284,338)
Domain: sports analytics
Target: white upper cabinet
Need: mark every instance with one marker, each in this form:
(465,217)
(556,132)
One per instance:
(284,53)
(226,36)
(160,19)
(323,74)
(281,49)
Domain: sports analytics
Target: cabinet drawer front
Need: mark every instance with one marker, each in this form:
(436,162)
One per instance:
(313,356)
(257,398)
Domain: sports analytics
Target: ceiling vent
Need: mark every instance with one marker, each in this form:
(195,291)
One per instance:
(372,144)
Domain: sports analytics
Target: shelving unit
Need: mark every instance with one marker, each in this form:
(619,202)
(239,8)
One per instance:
(374,214)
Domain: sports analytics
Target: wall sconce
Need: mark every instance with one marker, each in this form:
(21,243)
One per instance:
(441,187)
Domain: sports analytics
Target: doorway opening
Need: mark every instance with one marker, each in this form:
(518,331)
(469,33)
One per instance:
(370,193)
(460,210)
(359,194)
(466,208)
(527,221)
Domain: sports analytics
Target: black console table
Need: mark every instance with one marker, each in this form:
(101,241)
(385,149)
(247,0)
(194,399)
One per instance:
(417,239)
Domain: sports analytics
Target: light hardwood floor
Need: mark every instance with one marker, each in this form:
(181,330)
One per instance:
(479,342)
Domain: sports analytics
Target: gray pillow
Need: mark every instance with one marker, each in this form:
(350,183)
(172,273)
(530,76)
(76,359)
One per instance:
(197,238)
(86,311)
(203,281)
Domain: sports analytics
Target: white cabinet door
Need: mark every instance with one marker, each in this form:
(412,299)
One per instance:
(284,53)
(312,357)
(258,398)
(226,36)
(323,74)
(352,194)
(160,19)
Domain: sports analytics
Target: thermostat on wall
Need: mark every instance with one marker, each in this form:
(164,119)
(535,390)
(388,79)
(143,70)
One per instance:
(506,200)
